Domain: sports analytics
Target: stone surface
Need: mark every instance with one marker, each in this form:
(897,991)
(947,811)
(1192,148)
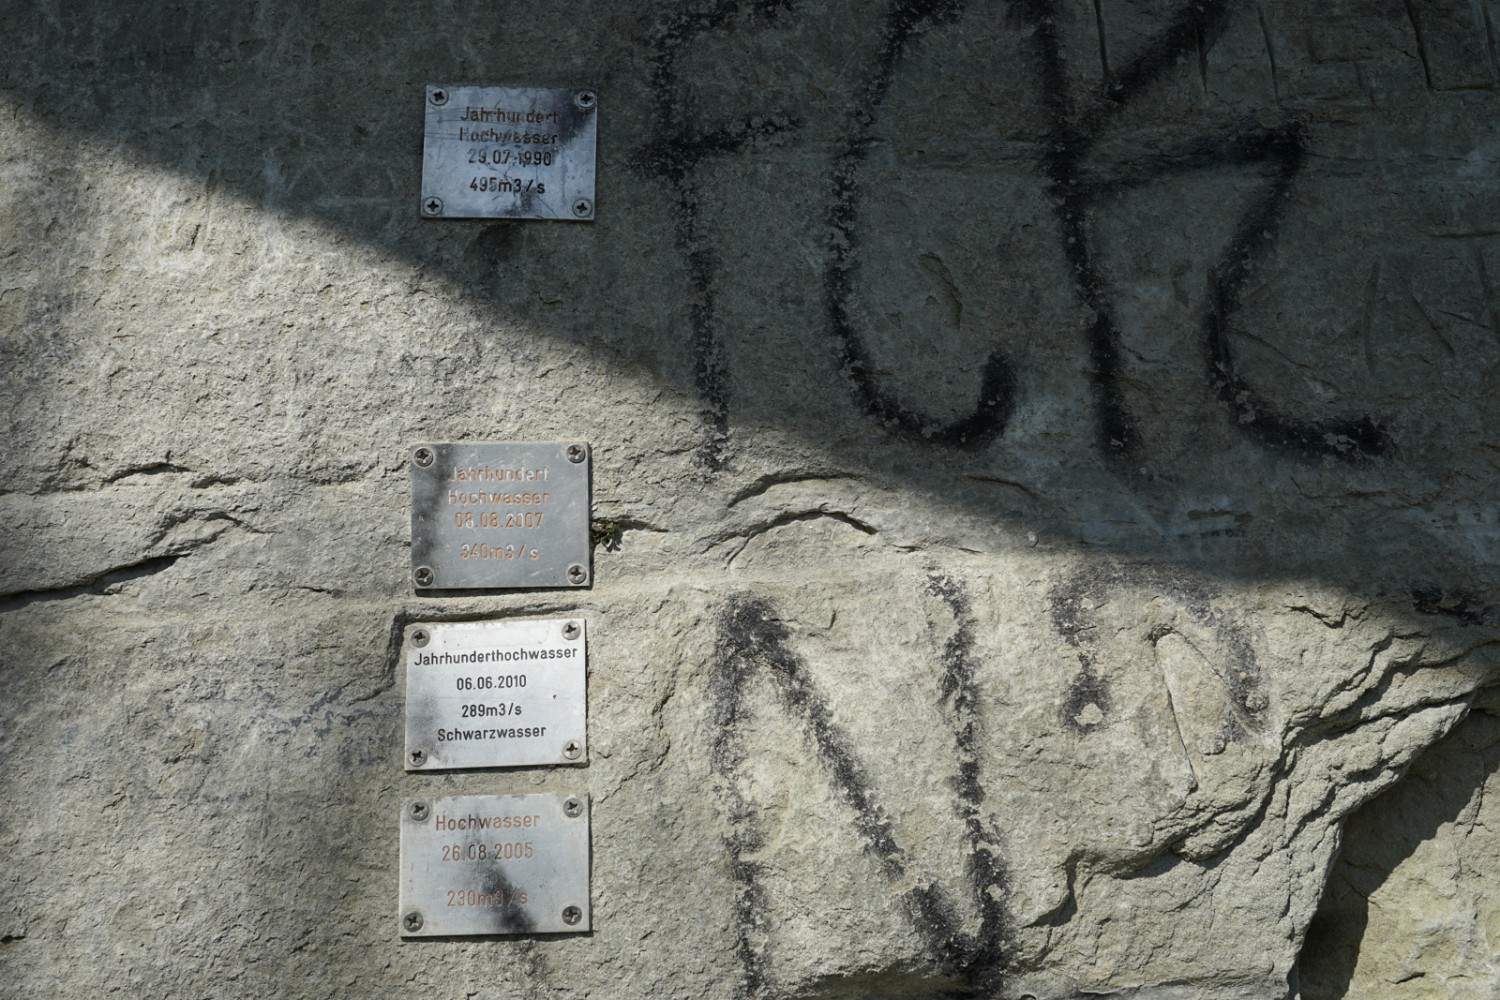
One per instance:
(1051,451)
(1411,905)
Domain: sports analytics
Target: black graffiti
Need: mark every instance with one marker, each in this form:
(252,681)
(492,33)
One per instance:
(1071,607)
(1461,606)
(1082,182)
(997,389)
(981,959)
(751,642)
(674,153)
(511,917)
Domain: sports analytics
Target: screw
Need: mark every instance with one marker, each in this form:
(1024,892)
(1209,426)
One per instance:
(420,637)
(577,574)
(585,99)
(413,921)
(571,915)
(571,750)
(438,98)
(583,208)
(423,576)
(418,757)
(432,206)
(423,456)
(573,807)
(419,811)
(571,630)
(577,453)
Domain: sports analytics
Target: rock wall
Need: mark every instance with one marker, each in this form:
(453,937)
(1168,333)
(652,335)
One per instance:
(1052,448)
(1410,907)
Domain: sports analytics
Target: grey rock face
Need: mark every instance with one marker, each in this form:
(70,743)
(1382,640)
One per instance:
(1052,446)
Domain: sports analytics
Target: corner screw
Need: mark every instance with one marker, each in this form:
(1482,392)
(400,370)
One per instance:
(432,206)
(571,750)
(418,757)
(577,453)
(438,98)
(423,576)
(583,208)
(573,807)
(571,630)
(419,811)
(420,637)
(413,921)
(571,915)
(585,99)
(423,456)
(577,574)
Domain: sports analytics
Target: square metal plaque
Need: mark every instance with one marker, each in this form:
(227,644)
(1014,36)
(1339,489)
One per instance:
(494,515)
(509,153)
(495,864)
(496,694)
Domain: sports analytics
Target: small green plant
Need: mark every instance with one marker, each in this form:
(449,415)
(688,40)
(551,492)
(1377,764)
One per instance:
(606,533)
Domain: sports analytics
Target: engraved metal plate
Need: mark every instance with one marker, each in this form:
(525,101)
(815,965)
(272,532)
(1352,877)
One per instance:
(495,864)
(499,515)
(509,153)
(496,694)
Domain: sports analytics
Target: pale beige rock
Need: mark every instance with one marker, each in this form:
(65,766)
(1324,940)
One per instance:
(1411,906)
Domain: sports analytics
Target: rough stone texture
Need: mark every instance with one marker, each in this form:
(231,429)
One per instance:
(1411,906)
(1055,445)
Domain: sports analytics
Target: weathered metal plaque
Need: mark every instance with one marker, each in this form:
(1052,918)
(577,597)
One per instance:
(495,864)
(499,515)
(509,153)
(496,694)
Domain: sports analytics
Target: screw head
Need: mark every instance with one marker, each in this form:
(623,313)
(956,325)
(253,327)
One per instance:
(432,206)
(571,750)
(413,921)
(586,99)
(423,456)
(438,97)
(420,811)
(571,630)
(418,757)
(573,807)
(423,576)
(420,637)
(577,574)
(571,915)
(577,453)
(583,208)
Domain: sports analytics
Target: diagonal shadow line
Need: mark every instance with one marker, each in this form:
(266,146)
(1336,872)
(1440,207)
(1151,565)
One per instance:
(1229,285)
(55,75)
(905,21)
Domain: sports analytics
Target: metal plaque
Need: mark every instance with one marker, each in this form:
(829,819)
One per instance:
(509,153)
(495,864)
(499,515)
(496,694)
